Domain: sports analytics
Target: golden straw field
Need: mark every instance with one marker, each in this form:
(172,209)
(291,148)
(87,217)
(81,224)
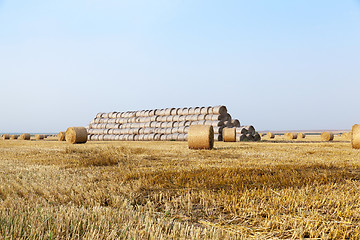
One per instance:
(276,189)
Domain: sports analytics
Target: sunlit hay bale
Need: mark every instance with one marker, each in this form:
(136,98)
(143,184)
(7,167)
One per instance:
(270,135)
(327,136)
(61,136)
(291,136)
(39,136)
(257,137)
(201,137)
(25,136)
(301,135)
(6,136)
(76,135)
(229,135)
(14,136)
(355,136)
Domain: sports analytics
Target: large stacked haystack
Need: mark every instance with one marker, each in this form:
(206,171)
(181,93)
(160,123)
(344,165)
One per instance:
(170,124)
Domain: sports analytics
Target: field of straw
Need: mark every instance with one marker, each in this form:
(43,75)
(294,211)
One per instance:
(272,189)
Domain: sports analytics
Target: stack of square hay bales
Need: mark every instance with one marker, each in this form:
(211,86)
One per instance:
(169,124)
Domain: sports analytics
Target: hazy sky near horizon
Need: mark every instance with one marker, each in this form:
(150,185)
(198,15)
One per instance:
(277,65)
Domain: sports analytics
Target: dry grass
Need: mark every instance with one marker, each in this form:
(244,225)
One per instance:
(142,190)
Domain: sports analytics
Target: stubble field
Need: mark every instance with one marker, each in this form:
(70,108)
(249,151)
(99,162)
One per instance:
(162,190)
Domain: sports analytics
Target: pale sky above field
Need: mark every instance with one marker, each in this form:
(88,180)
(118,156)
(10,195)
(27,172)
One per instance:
(278,65)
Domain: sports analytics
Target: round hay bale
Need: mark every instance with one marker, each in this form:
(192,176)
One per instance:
(257,137)
(241,130)
(250,129)
(174,111)
(201,117)
(301,135)
(291,136)
(218,137)
(182,118)
(25,136)
(5,136)
(221,110)
(158,125)
(76,135)
(241,137)
(249,137)
(14,136)
(217,130)
(229,134)
(176,118)
(170,124)
(270,135)
(183,111)
(191,111)
(162,112)
(151,113)
(201,137)
(168,111)
(214,123)
(153,124)
(169,118)
(61,136)
(197,110)
(235,123)
(175,130)
(163,137)
(327,136)
(204,110)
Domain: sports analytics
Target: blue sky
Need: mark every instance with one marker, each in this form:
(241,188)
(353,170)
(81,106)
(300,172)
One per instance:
(277,65)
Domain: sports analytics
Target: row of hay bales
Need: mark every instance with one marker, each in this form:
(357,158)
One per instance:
(165,124)
(24,136)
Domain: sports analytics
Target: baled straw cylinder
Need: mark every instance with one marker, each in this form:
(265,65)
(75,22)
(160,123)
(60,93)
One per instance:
(201,137)
(270,135)
(221,110)
(5,136)
(39,137)
(291,136)
(241,137)
(327,136)
(301,135)
(257,137)
(76,135)
(250,129)
(229,135)
(14,136)
(25,136)
(235,122)
(355,136)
